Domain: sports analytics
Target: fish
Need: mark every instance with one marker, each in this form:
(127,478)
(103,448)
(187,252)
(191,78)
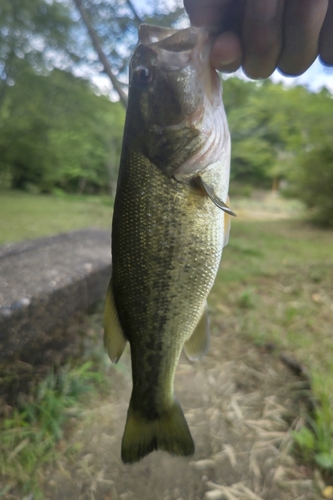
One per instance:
(171,221)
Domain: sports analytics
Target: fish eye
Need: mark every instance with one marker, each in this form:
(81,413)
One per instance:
(143,75)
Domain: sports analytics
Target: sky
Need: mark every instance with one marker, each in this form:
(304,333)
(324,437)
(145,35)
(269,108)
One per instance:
(315,78)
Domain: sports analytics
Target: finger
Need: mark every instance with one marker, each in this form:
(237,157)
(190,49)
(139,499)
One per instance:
(303,20)
(262,37)
(226,53)
(206,12)
(326,37)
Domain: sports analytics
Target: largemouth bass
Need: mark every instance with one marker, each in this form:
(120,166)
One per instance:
(168,228)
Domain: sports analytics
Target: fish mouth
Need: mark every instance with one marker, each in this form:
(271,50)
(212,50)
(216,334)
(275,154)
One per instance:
(149,34)
(170,49)
(171,40)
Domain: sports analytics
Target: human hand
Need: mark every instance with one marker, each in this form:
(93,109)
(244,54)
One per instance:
(262,35)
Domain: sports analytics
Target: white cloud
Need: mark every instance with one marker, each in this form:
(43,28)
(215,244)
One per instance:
(315,78)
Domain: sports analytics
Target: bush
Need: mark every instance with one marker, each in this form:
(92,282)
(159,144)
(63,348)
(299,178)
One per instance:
(314,183)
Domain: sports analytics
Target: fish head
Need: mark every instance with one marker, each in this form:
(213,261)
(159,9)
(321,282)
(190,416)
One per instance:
(175,104)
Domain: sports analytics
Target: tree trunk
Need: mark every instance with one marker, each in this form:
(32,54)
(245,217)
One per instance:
(102,57)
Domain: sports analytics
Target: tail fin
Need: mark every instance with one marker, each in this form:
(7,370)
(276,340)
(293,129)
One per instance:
(169,432)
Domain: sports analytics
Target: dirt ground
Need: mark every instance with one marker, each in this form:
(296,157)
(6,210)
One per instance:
(241,404)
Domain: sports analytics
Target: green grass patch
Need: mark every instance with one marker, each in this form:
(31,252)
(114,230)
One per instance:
(35,433)
(275,286)
(26,216)
(29,437)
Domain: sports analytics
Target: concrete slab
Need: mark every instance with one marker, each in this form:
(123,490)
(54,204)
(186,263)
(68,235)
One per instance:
(44,282)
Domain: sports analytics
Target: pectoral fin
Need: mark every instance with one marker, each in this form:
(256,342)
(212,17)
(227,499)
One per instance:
(215,199)
(227,224)
(114,339)
(197,345)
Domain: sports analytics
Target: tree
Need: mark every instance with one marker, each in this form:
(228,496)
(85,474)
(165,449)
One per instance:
(35,34)
(314,183)
(272,127)
(56,131)
(112,27)
(254,138)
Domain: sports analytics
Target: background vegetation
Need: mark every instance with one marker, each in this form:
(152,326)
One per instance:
(282,134)
(57,132)
(60,143)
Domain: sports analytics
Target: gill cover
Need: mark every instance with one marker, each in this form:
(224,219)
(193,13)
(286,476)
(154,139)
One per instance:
(175,101)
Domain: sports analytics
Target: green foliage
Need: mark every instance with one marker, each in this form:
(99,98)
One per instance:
(283,133)
(265,129)
(255,137)
(29,436)
(56,132)
(55,395)
(116,24)
(314,183)
(305,440)
(315,441)
(246,299)
(34,35)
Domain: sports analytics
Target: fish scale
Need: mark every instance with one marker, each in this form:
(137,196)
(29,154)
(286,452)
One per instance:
(161,265)
(168,229)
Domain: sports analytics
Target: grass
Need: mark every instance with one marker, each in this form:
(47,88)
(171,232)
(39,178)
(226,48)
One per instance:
(30,436)
(25,216)
(35,433)
(275,286)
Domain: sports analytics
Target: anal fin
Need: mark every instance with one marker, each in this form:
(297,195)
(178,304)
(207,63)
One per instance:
(114,338)
(197,345)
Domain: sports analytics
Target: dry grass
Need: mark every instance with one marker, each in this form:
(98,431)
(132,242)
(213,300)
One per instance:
(241,405)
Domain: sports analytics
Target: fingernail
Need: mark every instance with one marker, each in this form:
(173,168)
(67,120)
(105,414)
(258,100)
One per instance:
(227,61)
(264,10)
